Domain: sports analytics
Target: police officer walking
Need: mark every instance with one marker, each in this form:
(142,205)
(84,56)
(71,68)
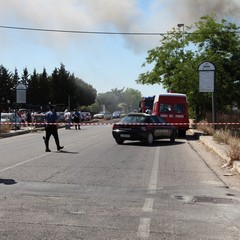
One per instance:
(51,128)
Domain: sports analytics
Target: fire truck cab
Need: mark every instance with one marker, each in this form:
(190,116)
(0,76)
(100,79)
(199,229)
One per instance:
(146,104)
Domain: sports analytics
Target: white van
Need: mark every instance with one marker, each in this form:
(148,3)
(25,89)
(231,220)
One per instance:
(12,119)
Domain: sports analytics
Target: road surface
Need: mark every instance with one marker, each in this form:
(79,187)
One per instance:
(97,189)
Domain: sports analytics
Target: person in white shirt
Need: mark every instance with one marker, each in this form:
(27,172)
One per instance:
(68,119)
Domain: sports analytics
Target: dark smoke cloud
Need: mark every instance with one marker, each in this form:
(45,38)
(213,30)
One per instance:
(115,15)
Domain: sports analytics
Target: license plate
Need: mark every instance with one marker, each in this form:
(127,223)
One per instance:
(125,135)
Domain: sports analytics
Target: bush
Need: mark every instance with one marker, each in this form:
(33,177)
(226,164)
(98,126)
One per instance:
(222,136)
(206,128)
(234,149)
(4,128)
(226,136)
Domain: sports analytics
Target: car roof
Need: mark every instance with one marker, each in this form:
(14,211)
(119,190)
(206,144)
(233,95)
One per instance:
(137,114)
(7,114)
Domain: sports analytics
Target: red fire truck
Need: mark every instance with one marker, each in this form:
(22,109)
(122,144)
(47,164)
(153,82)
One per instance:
(173,108)
(146,104)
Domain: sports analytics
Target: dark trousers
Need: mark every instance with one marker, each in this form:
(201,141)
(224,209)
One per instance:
(51,130)
(76,123)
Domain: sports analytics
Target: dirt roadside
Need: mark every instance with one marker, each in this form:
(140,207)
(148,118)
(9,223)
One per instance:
(215,159)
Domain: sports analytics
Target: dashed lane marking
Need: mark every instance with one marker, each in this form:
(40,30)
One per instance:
(152,186)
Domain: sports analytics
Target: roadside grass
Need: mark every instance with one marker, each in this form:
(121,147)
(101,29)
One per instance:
(224,136)
(234,149)
(206,128)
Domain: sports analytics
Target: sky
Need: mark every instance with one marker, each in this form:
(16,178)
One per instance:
(105,61)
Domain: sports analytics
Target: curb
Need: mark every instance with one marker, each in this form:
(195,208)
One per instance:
(19,132)
(219,149)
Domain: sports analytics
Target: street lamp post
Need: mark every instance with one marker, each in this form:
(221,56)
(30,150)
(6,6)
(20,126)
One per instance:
(69,102)
(21,90)
(179,26)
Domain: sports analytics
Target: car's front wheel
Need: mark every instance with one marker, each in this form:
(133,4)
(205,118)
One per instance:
(173,137)
(149,139)
(119,140)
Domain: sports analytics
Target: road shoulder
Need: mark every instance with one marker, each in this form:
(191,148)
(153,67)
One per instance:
(215,157)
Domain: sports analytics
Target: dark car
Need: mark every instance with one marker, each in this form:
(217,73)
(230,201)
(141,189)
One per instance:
(142,127)
(116,114)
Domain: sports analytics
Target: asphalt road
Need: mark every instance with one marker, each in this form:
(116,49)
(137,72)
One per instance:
(96,189)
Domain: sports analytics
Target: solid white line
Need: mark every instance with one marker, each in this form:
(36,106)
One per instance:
(21,163)
(32,159)
(152,186)
(144,228)
(148,205)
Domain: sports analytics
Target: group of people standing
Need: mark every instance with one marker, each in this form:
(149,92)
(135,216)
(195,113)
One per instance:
(74,118)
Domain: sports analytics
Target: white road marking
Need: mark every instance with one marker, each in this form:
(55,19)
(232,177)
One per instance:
(144,228)
(37,157)
(21,163)
(148,205)
(152,186)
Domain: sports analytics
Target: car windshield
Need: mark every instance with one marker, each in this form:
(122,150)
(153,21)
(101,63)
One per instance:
(134,119)
(3,117)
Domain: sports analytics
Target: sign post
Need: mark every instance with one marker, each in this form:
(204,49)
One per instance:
(21,90)
(206,73)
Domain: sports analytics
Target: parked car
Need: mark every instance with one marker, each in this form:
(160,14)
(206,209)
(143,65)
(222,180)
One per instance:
(86,116)
(11,118)
(116,114)
(142,127)
(38,119)
(103,115)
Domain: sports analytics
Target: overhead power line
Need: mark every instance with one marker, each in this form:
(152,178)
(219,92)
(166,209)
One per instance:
(83,32)
(104,32)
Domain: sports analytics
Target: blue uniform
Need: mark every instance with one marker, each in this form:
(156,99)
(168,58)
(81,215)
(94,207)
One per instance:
(51,117)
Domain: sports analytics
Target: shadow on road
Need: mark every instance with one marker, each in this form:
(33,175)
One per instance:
(64,151)
(155,144)
(7,181)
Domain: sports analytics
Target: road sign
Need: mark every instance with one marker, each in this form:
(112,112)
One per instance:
(206,71)
(21,93)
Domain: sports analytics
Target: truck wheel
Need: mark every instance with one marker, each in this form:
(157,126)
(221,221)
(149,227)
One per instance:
(182,133)
(149,139)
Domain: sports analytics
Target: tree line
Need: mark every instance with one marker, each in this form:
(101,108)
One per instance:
(63,89)
(175,63)
(124,100)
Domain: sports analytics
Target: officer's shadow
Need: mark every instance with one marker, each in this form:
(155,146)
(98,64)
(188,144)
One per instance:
(7,181)
(69,152)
